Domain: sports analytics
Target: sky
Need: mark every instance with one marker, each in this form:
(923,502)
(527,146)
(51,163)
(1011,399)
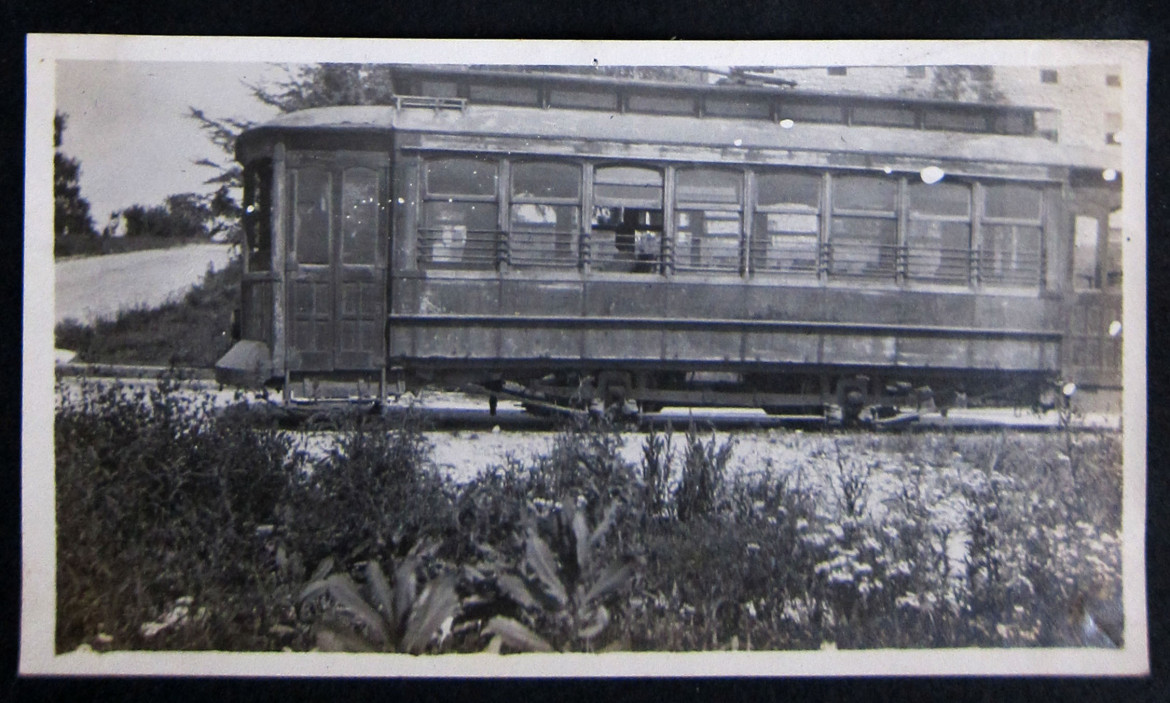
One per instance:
(127,125)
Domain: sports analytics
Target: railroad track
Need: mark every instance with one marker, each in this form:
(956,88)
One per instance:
(443,411)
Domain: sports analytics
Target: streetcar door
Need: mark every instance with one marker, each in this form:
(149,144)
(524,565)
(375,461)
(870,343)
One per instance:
(337,262)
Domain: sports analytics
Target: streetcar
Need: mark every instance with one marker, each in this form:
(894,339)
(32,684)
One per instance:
(575,241)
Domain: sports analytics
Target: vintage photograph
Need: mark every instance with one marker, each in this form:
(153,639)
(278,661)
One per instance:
(435,359)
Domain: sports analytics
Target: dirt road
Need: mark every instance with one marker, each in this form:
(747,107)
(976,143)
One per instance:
(92,288)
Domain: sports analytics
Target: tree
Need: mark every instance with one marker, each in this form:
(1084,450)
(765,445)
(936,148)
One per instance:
(181,216)
(329,84)
(73,228)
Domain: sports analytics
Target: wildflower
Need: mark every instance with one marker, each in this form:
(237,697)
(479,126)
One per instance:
(910,600)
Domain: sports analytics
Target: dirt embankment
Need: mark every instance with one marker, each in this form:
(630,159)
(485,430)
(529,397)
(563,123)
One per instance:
(93,288)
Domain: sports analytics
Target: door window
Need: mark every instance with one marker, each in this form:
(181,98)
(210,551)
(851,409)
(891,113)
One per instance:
(312,215)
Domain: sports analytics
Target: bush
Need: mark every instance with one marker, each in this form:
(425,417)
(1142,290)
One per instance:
(372,496)
(183,528)
(159,507)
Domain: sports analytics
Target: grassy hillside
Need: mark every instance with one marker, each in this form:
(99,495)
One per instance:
(194,331)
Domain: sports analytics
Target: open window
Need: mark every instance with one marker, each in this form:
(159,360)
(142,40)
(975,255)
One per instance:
(708,220)
(627,219)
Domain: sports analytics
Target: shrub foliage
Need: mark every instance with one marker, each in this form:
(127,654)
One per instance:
(179,528)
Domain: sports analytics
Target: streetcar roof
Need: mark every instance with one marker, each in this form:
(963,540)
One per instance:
(539,124)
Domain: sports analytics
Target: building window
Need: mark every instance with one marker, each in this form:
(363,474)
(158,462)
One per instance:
(626,230)
(1048,76)
(863,239)
(545,218)
(708,219)
(460,227)
(1113,80)
(785,235)
(837,70)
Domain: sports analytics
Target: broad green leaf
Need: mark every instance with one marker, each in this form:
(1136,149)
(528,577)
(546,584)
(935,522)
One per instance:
(543,564)
(405,590)
(323,569)
(437,603)
(494,645)
(612,579)
(313,589)
(344,591)
(607,521)
(581,533)
(515,635)
(595,628)
(517,590)
(332,637)
(380,588)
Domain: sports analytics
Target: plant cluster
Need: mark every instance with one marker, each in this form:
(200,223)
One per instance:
(181,527)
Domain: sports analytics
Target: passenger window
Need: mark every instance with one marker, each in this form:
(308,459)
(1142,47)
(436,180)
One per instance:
(1010,253)
(661,104)
(460,225)
(1013,201)
(708,219)
(1086,243)
(504,95)
(258,216)
(312,216)
(938,241)
(459,234)
(545,215)
(812,112)
(753,108)
(627,219)
(1114,252)
(461,177)
(863,238)
(883,116)
(787,222)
